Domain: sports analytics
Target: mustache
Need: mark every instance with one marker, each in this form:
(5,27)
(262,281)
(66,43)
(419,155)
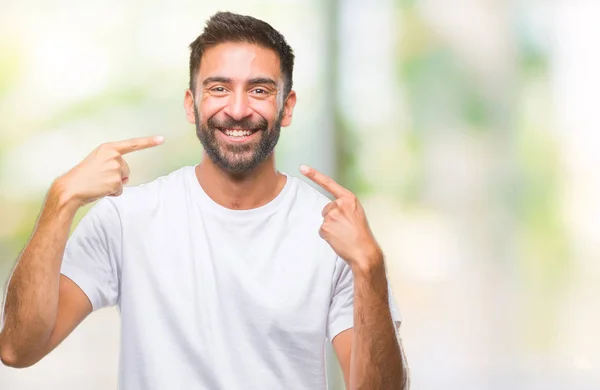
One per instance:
(244,124)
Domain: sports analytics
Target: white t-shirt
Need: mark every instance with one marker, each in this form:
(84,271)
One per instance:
(214,298)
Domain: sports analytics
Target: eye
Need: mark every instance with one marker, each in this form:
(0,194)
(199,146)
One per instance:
(217,89)
(259,91)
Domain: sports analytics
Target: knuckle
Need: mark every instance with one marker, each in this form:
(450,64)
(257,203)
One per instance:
(116,182)
(105,147)
(348,202)
(108,151)
(114,165)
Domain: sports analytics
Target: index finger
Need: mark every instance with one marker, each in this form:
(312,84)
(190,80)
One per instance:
(134,144)
(325,181)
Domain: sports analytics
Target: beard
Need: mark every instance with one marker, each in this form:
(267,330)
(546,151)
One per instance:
(243,157)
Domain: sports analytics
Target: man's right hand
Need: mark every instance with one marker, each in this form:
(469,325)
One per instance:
(104,172)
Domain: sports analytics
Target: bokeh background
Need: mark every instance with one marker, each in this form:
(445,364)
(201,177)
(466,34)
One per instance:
(467,128)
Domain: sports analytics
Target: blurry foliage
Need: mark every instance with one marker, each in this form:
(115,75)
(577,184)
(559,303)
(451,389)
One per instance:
(347,143)
(10,65)
(443,95)
(94,105)
(544,258)
(438,86)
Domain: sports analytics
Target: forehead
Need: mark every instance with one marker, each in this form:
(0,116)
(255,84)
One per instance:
(239,61)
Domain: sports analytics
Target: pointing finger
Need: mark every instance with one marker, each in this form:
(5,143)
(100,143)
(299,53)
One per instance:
(134,144)
(325,181)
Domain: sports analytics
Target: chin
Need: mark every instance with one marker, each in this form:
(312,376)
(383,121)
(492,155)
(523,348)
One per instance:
(239,166)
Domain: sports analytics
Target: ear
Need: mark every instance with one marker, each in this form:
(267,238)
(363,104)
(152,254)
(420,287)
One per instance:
(188,104)
(288,109)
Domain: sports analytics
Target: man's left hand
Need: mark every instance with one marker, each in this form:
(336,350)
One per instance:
(345,226)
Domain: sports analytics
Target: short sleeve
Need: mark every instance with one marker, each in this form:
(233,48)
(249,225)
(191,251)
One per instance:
(92,254)
(341,308)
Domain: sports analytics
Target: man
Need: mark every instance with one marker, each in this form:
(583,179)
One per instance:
(227,274)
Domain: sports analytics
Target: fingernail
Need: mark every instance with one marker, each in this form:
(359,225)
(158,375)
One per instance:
(303,169)
(159,138)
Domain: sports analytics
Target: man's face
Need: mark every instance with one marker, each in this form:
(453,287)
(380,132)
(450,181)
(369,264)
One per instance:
(239,108)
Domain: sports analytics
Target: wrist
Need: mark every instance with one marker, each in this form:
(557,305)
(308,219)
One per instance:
(62,198)
(369,264)
(370,280)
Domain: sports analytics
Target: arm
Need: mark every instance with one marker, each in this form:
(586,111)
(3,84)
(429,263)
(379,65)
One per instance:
(370,354)
(37,293)
(42,306)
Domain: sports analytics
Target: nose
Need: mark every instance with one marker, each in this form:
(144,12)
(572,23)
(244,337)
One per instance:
(238,107)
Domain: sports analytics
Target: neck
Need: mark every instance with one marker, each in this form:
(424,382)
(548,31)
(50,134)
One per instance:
(240,191)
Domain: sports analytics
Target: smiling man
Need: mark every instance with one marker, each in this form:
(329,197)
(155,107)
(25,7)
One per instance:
(228,274)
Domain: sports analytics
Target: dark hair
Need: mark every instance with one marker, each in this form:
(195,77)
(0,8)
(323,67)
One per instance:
(225,27)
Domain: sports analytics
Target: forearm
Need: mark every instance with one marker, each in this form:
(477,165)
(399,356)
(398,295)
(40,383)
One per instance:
(376,362)
(31,301)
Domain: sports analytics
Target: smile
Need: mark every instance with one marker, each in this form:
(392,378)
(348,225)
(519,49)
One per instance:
(237,134)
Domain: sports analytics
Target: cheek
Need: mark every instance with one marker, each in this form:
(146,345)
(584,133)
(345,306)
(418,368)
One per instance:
(209,107)
(266,109)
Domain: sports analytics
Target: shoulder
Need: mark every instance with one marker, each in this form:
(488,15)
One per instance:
(306,203)
(307,197)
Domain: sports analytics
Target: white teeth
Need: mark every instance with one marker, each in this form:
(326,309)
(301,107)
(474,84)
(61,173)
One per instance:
(238,133)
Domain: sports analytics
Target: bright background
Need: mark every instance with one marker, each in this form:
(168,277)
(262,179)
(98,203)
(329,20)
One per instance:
(468,129)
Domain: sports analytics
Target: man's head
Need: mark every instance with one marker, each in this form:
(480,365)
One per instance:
(240,91)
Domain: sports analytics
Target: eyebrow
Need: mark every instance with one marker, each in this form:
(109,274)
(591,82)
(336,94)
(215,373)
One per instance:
(262,80)
(216,79)
(227,80)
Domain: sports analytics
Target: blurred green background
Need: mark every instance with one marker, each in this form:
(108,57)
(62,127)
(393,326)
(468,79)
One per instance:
(467,128)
